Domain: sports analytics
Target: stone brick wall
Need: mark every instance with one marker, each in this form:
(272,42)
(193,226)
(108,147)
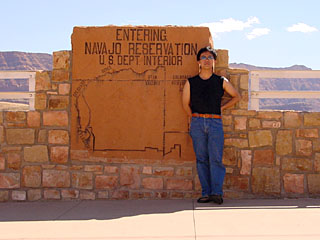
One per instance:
(267,154)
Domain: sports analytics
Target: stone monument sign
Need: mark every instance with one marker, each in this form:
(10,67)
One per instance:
(126,90)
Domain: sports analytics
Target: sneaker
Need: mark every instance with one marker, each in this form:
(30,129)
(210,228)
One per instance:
(216,199)
(205,199)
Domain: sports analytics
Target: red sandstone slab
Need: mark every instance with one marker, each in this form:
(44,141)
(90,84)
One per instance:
(126,90)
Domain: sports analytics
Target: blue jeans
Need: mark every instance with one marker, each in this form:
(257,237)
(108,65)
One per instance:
(208,140)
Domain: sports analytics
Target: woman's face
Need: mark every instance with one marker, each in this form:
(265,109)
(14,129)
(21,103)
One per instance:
(206,61)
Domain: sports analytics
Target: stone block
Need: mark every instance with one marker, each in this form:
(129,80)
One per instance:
(236,142)
(31,176)
(59,154)
(303,147)
(226,120)
(312,119)
(265,181)
(130,177)
(269,115)
(87,195)
(240,123)
(64,89)
(152,183)
(93,168)
(70,194)
(184,171)
(58,102)
(13,160)
(34,194)
(244,82)
(316,145)
(307,133)
(36,153)
(9,180)
(1,117)
(163,171)
(55,178)
(147,170)
(103,194)
(33,119)
(42,136)
(314,183)
(55,118)
(43,81)
(4,196)
(82,180)
(51,194)
(243,103)
(234,80)
(317,162)
(260,138)
(254,123)
(246,160)
(40,101)
(15,116)
(120,194)
(61,60)
(179,184)
(292,120)
(222,58)
(60,75)
(271,124)
(2,162)
(79,154)
(1,134)
(176,195)
(284,142)
(296,164)
(263,157)
(106,182)
(240,183)
(293,183)
(229,156)
(18,195)
(242,112)
(58,137)
(20,136)
(111,169)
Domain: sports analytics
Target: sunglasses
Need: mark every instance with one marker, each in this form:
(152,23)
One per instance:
(209,57)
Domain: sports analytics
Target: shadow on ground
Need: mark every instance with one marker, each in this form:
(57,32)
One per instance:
(115,209)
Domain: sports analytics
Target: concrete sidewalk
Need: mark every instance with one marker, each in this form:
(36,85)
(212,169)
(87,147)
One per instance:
(161,219)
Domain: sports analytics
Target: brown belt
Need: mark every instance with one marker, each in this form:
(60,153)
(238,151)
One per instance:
(206,115)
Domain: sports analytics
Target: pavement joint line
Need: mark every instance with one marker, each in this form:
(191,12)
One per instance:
(68,210)
(194,220)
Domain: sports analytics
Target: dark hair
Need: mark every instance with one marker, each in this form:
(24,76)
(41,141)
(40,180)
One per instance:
(207,49)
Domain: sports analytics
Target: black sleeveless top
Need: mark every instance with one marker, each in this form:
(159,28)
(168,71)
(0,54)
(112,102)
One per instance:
(206,95)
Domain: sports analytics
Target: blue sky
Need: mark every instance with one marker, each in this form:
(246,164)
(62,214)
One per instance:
(270,33)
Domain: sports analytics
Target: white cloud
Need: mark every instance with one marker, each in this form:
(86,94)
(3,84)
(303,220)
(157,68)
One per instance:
(229,24)
(257,32)
(301,27)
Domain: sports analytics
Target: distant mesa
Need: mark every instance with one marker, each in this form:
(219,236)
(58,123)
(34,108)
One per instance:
(253,68)
(12,61)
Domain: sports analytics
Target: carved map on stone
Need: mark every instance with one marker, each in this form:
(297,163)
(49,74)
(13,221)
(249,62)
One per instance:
(126,90)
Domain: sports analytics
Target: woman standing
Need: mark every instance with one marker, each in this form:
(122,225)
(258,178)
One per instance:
(201,100)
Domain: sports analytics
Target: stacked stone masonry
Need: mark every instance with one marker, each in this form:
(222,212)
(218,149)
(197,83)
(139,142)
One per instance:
(267,154)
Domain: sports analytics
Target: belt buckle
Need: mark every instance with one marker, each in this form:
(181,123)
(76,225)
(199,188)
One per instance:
(206,115)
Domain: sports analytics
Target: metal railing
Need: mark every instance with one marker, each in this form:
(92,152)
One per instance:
(15,96)
(256,94)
